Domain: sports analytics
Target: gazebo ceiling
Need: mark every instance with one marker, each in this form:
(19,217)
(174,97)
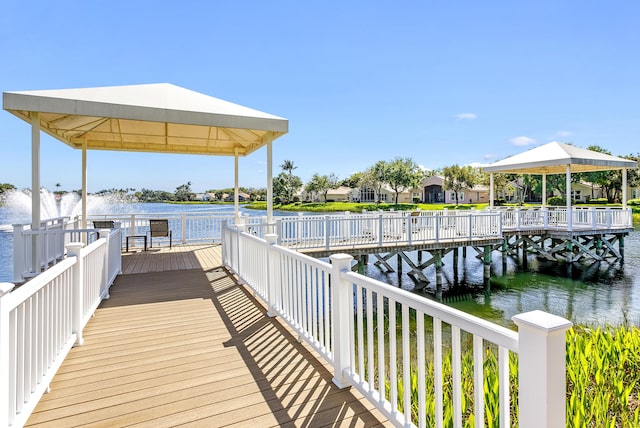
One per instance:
(159,118)
(553,158)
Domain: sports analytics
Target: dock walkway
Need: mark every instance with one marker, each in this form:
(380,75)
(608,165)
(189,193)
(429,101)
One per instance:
(181,343)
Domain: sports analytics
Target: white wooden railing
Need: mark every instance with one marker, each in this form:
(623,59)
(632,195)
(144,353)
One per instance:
(601,219)
(382,228)
(316,231)
(34,251)
(379,338)
(41,320)
(47,245)
(186,227)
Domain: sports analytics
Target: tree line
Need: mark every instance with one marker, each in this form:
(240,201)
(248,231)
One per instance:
(399,175)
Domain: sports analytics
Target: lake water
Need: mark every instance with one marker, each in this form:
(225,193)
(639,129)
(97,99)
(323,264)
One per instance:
(589,294)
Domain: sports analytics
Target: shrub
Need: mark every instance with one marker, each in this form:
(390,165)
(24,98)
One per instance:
(633,202)
(599,201)
(557,201)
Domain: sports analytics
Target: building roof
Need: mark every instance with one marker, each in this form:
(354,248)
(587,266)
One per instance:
(553,158)
(159,118)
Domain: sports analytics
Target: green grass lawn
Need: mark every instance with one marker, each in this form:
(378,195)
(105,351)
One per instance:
(359,207)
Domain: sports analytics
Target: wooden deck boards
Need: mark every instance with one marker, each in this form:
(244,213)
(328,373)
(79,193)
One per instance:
(179,257)
(191,347)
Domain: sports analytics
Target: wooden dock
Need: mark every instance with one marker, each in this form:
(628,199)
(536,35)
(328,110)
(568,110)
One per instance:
(181,343)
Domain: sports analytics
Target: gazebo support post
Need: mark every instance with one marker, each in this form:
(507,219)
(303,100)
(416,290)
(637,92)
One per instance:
(35,188)
(235,188)
(491,191)
(624,188)
(84,185)
(568,186)
(568,190)
(269,181)
(544,190)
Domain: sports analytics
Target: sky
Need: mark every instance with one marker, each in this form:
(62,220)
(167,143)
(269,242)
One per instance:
(443,83)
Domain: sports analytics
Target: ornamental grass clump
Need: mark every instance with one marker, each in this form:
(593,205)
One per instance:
(603,381)
(603,374)
(491,390)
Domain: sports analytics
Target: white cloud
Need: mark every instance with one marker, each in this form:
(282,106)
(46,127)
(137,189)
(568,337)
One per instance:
(489,156)
(466,116)
(477,164)
(423,168)
(522,141)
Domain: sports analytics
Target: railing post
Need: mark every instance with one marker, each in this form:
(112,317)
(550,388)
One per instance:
(74,250)
(6,415)
(184,228)
(541,369)
(119,258)
(341,296)
(239,230)
(327,238)
(380,228)
(104,233)
(608,215)
(272,284)
(278,230)
(18,253)
(132,225)
(298,229)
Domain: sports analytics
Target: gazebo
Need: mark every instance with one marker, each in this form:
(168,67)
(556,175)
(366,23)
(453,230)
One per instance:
(559,158)
(158,118)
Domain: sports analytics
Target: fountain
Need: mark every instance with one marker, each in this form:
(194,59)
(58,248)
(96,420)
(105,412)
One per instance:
(54,205)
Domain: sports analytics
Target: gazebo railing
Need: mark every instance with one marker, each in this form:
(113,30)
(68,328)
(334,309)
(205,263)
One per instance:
(557,218)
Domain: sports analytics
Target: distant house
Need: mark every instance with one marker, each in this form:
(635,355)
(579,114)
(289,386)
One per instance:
(339,194)
(242,197)
(633,192)
(205,197)
(433,193)
(387,195)
(582,192)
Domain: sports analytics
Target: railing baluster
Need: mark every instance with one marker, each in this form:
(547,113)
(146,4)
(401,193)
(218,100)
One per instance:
(421,361)
(381,349)
(393,363)
(438,378)
(406,363)
(360,330)
(456,373)
(478,376)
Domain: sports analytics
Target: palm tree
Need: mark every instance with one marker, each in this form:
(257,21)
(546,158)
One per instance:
(288,166)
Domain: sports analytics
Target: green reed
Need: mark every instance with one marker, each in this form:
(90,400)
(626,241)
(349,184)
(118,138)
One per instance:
(603,381)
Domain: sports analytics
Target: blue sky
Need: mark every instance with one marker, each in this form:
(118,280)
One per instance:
(461,82)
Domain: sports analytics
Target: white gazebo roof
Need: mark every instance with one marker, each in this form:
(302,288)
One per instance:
(159,118)
(553,158)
